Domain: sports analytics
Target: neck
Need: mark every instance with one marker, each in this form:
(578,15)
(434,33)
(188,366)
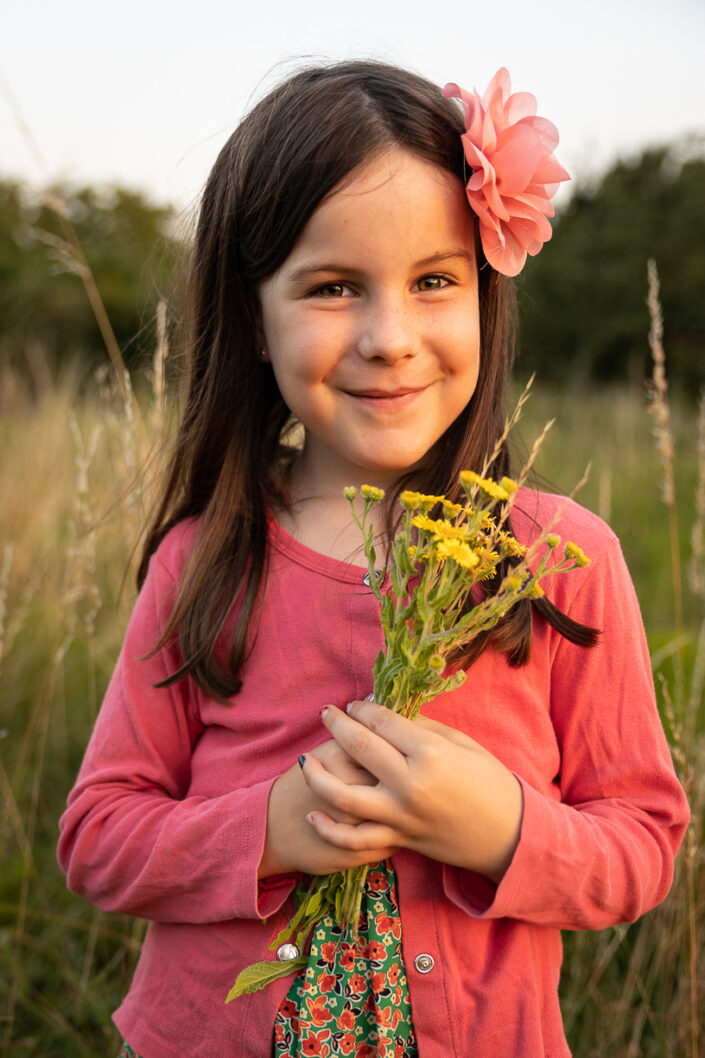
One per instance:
(319,516)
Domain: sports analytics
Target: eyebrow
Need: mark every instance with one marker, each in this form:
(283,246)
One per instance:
(306,271)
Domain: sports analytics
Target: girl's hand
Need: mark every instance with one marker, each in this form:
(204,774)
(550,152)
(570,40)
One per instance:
(291,843)
(438,791)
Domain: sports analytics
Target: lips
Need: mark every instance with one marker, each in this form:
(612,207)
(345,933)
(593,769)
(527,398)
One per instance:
(386,400)
(385,394)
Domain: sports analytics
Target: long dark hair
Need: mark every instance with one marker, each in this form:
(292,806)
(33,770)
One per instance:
(291,151)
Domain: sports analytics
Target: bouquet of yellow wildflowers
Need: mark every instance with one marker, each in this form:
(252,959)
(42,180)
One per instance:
(433,564)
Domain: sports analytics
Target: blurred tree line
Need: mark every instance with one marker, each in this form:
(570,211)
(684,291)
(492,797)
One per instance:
(131,247)
(582,301)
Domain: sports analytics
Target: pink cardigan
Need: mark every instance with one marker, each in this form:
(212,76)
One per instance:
(167,818)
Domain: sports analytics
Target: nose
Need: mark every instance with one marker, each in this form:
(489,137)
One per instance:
(389,330)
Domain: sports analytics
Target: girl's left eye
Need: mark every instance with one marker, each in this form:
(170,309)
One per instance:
(433,282)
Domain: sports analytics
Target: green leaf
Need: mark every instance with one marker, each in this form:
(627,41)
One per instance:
(292,924)
(260,974)
(314,907)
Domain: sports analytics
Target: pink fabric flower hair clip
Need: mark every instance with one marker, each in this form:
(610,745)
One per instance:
(515,174)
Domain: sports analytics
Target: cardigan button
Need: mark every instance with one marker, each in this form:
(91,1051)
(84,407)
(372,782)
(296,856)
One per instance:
(366,578)
(424,963)
(287,952)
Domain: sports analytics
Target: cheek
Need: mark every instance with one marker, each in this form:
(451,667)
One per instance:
(464,348)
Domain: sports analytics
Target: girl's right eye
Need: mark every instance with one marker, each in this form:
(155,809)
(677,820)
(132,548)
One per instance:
(332,290)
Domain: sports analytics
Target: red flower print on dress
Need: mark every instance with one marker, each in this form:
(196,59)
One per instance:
(363,948)
(378,983)
(355,985)
(346,1020)
(386,924)
(289,1009)
(318,1011)
(393,973)
(329,951)
(327,982)
(377,881)
(378,951)
(383,1016)
(347,956)
(346,1043)
(366,1050)
(316,1043)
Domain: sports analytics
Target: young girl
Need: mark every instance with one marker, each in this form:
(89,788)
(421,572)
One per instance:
(350,275)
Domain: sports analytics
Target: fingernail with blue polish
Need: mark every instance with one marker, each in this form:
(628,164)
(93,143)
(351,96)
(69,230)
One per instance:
(302,760)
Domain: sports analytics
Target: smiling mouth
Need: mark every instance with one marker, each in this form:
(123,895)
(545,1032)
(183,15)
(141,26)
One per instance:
(385,401)
(381,394)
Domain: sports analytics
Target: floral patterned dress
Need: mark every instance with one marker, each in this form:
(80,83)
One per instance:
(352,999)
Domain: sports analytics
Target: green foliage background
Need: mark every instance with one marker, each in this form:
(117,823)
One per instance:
(132,248)
(582,299)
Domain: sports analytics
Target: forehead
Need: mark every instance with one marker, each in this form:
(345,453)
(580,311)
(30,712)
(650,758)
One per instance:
(395,200)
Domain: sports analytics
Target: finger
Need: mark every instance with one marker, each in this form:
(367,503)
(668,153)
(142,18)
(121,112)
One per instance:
(337,762)
(376,737)
(375,840)
(374,753)
(349,802)
(398,730)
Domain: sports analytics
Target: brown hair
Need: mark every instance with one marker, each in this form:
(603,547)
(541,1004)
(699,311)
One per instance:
(290,151)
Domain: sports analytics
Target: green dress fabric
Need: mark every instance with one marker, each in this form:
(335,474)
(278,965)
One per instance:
(352,999)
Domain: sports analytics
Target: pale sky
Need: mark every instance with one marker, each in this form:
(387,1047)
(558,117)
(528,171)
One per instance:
(144,92)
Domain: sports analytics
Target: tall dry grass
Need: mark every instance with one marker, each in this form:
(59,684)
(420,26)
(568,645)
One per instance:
(74,504)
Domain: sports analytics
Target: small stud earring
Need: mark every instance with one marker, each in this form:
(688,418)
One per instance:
(264,355)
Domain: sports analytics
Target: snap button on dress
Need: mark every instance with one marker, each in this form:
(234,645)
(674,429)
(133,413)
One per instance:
(287,952)
(424,963)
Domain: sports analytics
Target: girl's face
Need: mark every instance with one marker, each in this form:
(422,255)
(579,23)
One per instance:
(372,322)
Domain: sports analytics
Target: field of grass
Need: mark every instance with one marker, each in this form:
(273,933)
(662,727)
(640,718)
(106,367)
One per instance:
(70,518)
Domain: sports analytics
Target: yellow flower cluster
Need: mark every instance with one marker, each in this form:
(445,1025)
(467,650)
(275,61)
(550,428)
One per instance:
(510,545)
(469,479)
(439,528)
(371,492)
(414,501)
(576,553)
(460,552)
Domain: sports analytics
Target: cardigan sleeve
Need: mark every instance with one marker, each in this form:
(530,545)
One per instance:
(601,851)
(132,839)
